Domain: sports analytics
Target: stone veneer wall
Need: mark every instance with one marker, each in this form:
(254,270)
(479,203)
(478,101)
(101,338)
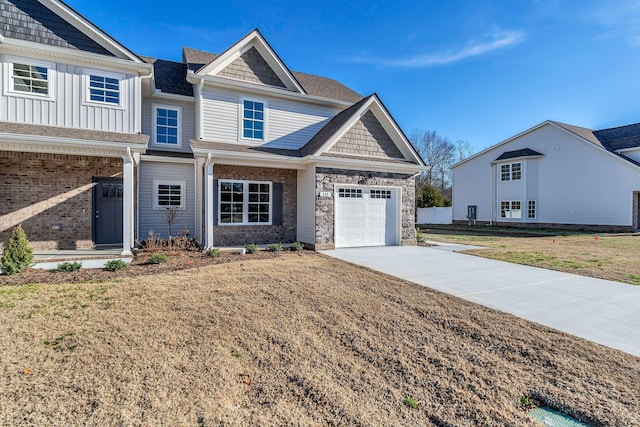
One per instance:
(238,235)
(325,206)
(368,138)
(252,67)
(46,190)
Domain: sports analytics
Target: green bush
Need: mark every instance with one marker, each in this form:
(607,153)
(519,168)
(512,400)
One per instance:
(411,402)
(420,236)
(297,246)
(275,247)
(157,259)
(213,252)
(66,267)
(252,248)
(115,265)
(18,254)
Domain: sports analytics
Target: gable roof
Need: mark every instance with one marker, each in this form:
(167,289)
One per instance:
(620,138)
(169,76)
(55,23)
(525,152)
(313,85)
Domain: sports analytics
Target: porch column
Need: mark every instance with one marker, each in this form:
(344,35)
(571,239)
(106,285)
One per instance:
(127,204)
(208,203)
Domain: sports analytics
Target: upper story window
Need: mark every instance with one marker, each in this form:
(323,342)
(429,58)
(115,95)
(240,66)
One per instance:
(30,78)
(166,128)
(104,89)
(511,172)
(253,119)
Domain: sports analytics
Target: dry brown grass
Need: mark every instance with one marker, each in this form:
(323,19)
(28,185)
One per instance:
(606,256)
(300,339)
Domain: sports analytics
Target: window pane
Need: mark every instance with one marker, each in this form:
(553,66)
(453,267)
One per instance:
(253,217)
(253,198)
(253,187)
(225,207)
(237,217)
(264,218)
(264,208)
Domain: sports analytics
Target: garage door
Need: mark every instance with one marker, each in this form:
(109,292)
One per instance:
(366,217)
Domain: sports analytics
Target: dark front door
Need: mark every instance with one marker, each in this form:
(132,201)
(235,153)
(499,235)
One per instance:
(107,211)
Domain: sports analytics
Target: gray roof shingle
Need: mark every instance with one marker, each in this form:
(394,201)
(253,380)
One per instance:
(170,77)
(525,152)
(72,133)
(620,138)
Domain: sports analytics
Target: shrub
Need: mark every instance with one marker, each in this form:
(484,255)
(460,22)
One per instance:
(157,259)
(153,242)
(66,267)
(115,265)
(297,246)
(252,248)
(420,236)
(18,254)
(213,252)
(275,247)
(411,402)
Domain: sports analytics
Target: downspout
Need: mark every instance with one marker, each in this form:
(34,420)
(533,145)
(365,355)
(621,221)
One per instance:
(139,101)
(494,183)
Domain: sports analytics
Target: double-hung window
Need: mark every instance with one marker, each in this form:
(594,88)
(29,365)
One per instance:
(253,119)
(166,129)
(104,89)
(169,194)
(531,211)
(244,202)
(30,79)
(511,172)
(511,209)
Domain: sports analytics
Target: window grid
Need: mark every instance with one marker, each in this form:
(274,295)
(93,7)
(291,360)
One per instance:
(505,172)
(380,194)
(169,195)
(31,78)
(511,209)
(516,211)
(504,210)
(104,89)
(531,211)
(516,171)
(353,193)
(166,126)
(253,120)
(245,202)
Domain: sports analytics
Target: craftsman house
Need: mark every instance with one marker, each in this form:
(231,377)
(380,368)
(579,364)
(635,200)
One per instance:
(98,143)
(554,175)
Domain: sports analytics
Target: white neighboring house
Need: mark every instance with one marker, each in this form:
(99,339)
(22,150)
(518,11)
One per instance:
(554,175)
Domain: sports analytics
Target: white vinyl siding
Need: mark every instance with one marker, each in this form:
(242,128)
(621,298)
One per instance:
(290,124)
(306,206)
(186,123)
(149,213)
(66,104)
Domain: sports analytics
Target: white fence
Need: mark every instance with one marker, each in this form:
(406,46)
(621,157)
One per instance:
(435,215)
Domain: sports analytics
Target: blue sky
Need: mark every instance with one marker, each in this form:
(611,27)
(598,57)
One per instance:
(476,70)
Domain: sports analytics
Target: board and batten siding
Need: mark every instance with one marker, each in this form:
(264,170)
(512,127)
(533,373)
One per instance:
(289,124)
(575,182)
(66,106)
(150,219)
(306,214)
(188,124)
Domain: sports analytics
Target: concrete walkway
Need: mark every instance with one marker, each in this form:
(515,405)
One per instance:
(601,311)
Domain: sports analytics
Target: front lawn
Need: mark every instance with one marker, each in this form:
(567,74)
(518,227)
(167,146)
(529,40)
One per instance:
(602,255)
(298,339)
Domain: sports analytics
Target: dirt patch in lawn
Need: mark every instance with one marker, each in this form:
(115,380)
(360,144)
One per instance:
(605,256)
(300,339)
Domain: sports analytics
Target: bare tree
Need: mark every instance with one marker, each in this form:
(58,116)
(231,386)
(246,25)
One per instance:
(170,215)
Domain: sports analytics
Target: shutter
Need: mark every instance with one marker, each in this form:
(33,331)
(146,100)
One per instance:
(277,203)
(215,202)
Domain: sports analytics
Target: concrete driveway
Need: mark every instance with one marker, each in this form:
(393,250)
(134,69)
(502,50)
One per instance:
(601,311)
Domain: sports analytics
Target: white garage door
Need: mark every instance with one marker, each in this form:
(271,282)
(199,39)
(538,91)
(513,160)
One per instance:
(366,217)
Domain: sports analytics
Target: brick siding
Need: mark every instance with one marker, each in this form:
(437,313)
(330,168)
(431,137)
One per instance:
(252,67)
(367,138)
(325,206)
(45,191)
(239,235)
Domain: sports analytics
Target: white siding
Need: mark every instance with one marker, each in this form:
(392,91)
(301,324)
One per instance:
(66,106)
(575,182)
(188,125)
(150,219)
(307,205)
(289,124)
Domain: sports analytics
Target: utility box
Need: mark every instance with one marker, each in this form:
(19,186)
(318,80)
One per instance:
(472,212)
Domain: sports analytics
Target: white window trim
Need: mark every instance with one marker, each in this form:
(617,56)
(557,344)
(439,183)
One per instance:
(183,193)
(245,202)
(8,77)
(154,130)
(510,173)
(86,99)
(535,209)
(510,210)
(265,127)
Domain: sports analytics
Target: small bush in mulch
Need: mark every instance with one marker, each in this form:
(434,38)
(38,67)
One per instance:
(297,246)
(115,265)
(66,267)
(18,254)
(213,252)
(251,248)
(275,247)
(157,259)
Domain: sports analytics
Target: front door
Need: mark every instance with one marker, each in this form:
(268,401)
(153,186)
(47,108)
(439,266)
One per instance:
(107,211)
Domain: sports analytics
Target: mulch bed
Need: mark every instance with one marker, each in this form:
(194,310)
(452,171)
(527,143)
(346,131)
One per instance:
(176,260)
